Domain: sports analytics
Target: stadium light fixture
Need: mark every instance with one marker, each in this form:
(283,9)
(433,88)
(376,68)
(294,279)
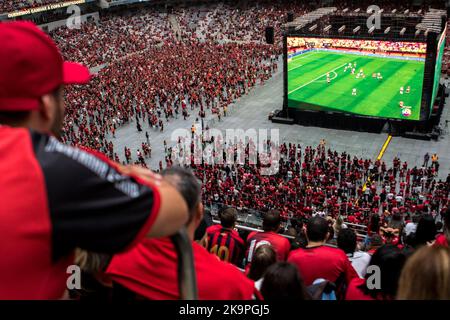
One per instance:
(394,11)
(419,12)
(406,11)
(345,10)
(327,28)
(402,32)
(313,27)
(381,11)
(371,30)
(357,10)
(341,29)
(356,29)
(386,31)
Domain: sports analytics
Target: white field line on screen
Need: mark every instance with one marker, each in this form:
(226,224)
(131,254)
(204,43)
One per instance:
(307,55)
(304,85)
(335,76)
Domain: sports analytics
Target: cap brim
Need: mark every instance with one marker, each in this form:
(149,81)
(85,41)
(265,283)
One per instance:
(75,73)
(18,104)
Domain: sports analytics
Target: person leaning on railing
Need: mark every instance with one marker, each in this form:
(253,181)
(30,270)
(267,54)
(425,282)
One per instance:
(55,198)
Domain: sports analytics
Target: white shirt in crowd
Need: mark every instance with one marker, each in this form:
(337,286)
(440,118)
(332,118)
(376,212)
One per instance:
(258,284)
(289,174)
(410,227)
(360,261)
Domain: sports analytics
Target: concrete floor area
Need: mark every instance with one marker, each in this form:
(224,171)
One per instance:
(251,111)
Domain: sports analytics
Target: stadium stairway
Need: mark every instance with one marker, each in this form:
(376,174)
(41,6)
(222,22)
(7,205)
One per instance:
(175,25)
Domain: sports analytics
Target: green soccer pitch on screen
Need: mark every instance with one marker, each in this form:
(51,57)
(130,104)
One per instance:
(364,77)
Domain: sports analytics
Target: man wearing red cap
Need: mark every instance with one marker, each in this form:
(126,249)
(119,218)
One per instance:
(55,198)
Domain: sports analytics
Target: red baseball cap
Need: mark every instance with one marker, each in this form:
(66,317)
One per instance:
(32,66)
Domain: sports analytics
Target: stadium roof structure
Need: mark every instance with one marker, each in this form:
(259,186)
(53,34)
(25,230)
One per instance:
(393,25)
(432,21)
(310,17)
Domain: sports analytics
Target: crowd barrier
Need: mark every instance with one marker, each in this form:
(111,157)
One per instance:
(251,220)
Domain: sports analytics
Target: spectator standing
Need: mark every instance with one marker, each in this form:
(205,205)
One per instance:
(318,261)
(224,241)
(271,226)
(346,241)
(149,269)
(69,197)
(389,261)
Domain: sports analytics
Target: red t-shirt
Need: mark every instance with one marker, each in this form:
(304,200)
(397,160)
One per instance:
(150,270)
(354,292)
(322,262)
(278,242)
(55,198)
(441,240)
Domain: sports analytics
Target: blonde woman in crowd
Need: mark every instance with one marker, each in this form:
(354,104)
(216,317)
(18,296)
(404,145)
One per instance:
(426,275)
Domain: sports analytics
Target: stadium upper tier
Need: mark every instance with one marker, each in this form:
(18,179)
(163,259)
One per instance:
(11,6)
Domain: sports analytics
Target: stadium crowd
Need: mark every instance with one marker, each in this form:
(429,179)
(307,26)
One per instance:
(113,37)
(320,180)
(176,80)
(10,6)
(120,217)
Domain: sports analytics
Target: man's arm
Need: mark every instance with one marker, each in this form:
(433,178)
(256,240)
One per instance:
(97,205)
(173,212)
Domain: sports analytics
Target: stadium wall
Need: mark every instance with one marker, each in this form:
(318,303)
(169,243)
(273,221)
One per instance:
(60,23)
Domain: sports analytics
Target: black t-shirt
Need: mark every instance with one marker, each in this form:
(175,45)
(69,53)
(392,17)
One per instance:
(92,206)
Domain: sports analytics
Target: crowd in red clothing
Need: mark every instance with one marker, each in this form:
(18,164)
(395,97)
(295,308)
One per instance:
(231,23)
(320,180)
(10,6)
(166,82)
(113,37)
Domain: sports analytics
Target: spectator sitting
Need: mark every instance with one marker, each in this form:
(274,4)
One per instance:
(346,241)
(319,261)
(271,226)
(149,269)
(390,260)
(426,275)
(224,241)
(282,282)
(264,257)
